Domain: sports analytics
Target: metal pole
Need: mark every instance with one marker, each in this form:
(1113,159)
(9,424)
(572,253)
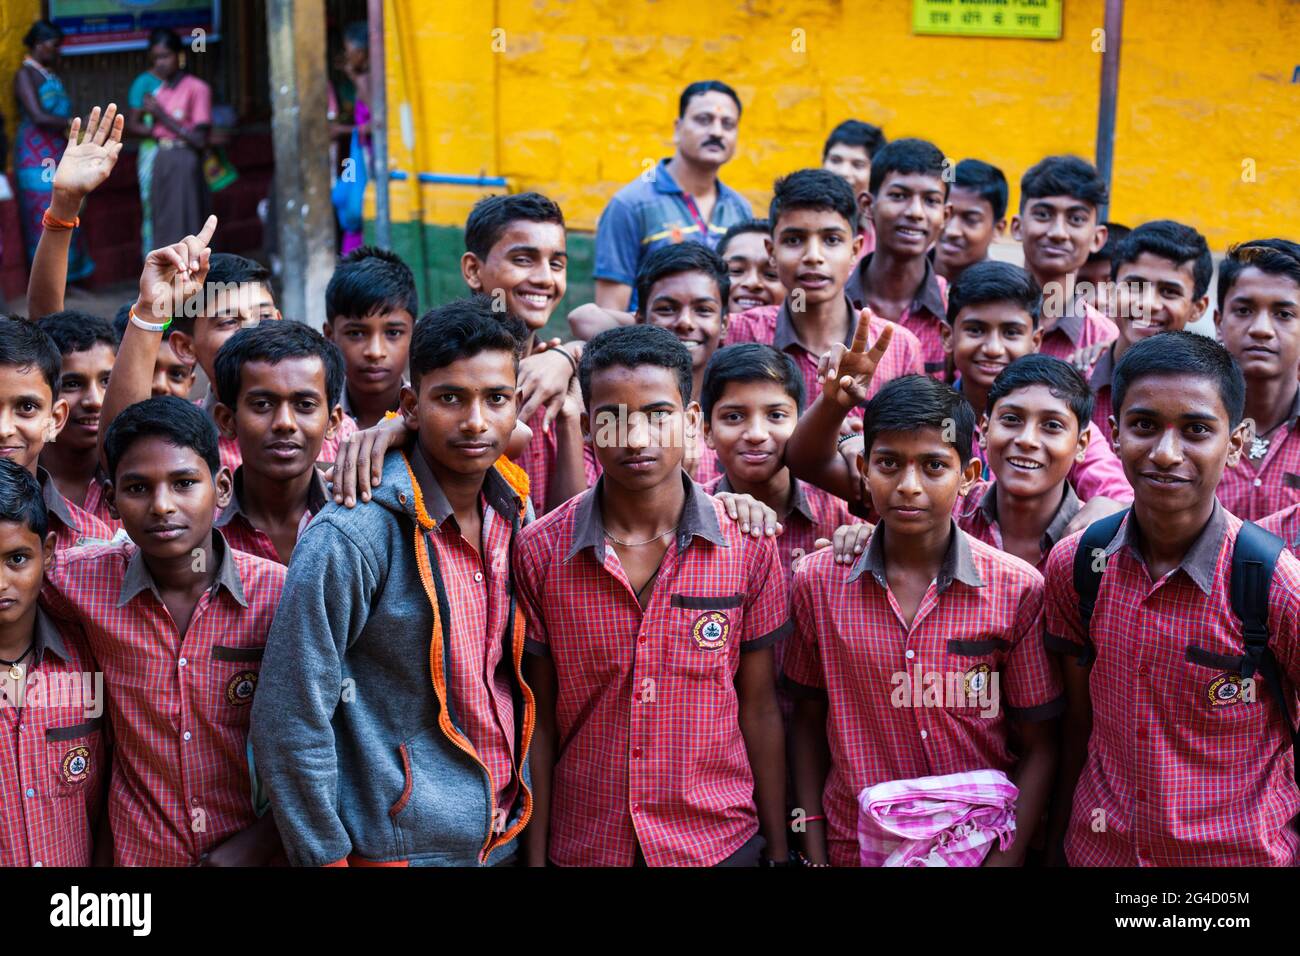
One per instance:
(1113,28)
(300,136)
(379,122)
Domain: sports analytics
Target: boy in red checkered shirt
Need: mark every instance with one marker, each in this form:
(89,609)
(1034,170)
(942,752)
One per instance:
(51,728)
(650,625)
(916,661)
(1174,755)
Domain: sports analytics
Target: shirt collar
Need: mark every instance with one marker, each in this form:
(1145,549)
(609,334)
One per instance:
(500,497)
(785,335)
(1201,558)
(958,563)
(1061,519)
(47,638)
(1103,370)
(317,498)
(800,503)
(664,182)
(55,503)
(699,519)
(929,296)
(1072,319)
(137,577)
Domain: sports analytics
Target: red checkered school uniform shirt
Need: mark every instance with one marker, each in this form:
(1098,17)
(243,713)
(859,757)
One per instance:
(1103,370)
(772,325)
(232,458)
(1180,771)
(478,597)
(924,317)
(1256,487)
(178,704)
(538,460)
(1081,326)
(977,515)
(908,702)
(72,526)
(242,535)
(1285,524)
(52,751)
(650,750)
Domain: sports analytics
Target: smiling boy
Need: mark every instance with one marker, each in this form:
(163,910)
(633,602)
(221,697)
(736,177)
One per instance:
(979,215)
(754,279)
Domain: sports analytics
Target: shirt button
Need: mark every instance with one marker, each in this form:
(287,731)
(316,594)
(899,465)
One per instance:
(38,863)
(181,662)
(31,792)
(636,751)
(194,801)
(925,734)
(1258,482)
(910,655)
(641,640)
(478,575)
(636,808)
(186,735)
(1144,671)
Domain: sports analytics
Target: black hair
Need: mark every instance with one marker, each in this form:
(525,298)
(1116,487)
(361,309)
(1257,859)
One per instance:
(230,269)
(74,331)
(857,134)
(631,346)
(1115,234)
(918,401)
(369,280)
(986,181)
(1184,355)
(1168,240)
(1274,256)
(994,281)
(492,216)
(39,32)
(1062,379)
(172,419)
(699,88)
(25,345)
(21,499)
(907,157)
(121,318)
(749,362)
(818,189)
(760,226)
(462,329)
(167,38)
(1064,176)
(675,259)
(357,33)
(273,342)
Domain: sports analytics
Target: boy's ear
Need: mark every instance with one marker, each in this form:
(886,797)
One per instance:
(1237,440)
(945,333)
(1037,339)
(469,271)
(691,418)
(1016,232)
(58,418)
(225,486)
(1082,442)
(972,473)
(1113,422)
(327,330)
(182,344)
(47,562)
(224,416)
(1099,237)
(407,402)
(706,429)
(867,203)
(770,247)
(335,420)
(1000,227)
(983,437)
(110,499)
(859,240)
(1199,307)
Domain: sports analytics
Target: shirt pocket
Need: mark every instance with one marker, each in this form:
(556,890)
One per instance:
(75,752)
(231,682)
(973,679)
(704,635)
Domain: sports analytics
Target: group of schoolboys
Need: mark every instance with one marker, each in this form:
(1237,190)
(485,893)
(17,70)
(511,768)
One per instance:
(607,557)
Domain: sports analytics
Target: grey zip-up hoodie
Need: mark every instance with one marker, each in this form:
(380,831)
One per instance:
(353,735)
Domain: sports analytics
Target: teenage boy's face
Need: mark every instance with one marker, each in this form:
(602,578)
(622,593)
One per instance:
(30,415)
(527,265)
(1058,234)
(968,233)
(1033,440)
(909,212)
(754,279)
(706,134)
(1173,439)
(638,424)
(689,305)
(282,416)
(375,349)
(464,413)
(24,558)
(171,376)
(850,162)
(815,251)
(1260,324)
(82,386)
(1091,283)
(229,311)
(1153,294)
(748,428)
(987,337)
(166,496)
(914,479)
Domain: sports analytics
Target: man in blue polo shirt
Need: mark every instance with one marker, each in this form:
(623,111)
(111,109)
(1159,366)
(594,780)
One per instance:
(679,200)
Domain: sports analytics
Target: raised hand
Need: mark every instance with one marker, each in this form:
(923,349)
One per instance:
(846,374)
(88,160)
(173,274)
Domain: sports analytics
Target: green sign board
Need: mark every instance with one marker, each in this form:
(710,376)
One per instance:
(1022,19)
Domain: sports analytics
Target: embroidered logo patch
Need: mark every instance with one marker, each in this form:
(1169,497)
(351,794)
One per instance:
(76,765)
(1224,690)
(710,630)
(239,689)
(977,679)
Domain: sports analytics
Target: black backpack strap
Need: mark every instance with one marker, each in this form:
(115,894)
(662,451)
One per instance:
(1253,561)
(1087,575)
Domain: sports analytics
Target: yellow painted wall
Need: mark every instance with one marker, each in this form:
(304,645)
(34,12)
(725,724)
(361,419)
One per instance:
(16,16)
(571,97)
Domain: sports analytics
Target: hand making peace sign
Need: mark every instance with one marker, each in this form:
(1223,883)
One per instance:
(846,374)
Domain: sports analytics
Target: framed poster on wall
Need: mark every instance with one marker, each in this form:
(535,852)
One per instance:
(100,26)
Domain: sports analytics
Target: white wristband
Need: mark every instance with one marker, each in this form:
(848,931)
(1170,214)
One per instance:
(140,323)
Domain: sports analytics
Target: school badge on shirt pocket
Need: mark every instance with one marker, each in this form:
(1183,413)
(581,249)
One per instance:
(76,765)
(239,689)
(1224,690)
(710,630)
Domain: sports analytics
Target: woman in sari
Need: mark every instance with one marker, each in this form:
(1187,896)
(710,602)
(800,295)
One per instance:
(44,111)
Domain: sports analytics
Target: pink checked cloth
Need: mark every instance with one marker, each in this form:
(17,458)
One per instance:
(950,820)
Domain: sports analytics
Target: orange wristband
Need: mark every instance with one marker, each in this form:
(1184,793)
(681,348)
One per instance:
(52,222)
